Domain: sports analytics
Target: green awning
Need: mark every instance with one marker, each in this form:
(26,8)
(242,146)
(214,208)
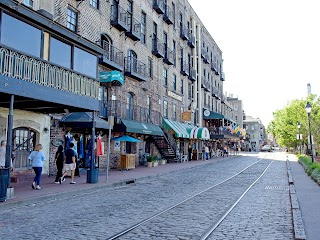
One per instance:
(211,115)
(115,77)
(143,128)
(180,129)
(199,133)
(229,119)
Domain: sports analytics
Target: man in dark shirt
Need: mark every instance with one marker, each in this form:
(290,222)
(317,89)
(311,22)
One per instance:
(70,163)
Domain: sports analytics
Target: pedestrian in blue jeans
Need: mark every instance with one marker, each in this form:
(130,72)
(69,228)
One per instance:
(37,157)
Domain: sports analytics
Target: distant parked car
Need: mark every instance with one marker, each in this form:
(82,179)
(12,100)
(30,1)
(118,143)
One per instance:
(266,148)
(276,148)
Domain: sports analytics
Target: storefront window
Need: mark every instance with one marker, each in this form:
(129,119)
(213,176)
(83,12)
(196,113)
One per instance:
(21,36)
(60,53)
(85,62)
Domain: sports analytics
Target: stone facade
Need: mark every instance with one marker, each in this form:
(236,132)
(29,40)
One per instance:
(39,123)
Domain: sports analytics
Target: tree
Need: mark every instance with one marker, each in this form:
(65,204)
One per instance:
(284,125)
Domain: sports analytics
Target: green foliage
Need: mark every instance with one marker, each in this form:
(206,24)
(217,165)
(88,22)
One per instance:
(312,169)
(152,158)
(284,125)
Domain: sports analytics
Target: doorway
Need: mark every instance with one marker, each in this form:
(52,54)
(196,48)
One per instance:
(24,141)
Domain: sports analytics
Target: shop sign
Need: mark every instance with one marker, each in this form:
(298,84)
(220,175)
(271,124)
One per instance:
(174,95)
(186,116)
(57,142)
(117,146)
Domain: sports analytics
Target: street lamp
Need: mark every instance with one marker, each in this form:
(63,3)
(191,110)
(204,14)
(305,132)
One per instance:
(308,109)
(299,125)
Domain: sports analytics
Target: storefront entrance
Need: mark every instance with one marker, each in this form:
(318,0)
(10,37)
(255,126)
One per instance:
(24,140)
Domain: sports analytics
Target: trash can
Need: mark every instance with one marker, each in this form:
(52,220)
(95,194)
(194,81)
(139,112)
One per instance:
(4,175)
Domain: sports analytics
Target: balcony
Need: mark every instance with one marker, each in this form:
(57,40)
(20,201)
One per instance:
(222,76)
(192,74)
(47,87)
(214,92)
(169,56)
(213,66)
(158,6)
(205,84)
(168,16)
(136,69)
(119,18)
(184,69)
(134,31)
(184,33)
(192,41)
(158,48)
(204,55)
(112,58)
(127,111)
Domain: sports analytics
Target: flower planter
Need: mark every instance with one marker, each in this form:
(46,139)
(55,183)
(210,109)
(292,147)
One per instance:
(155,163)
(149,164)
(162,162)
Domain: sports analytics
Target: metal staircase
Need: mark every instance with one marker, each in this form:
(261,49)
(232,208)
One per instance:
(166,150)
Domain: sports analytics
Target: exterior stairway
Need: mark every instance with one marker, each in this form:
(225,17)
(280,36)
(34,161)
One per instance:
(166,150)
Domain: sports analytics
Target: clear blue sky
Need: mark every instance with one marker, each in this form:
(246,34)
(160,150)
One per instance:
(271,49)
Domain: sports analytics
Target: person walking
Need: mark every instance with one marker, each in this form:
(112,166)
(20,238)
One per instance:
(189,152)
(206,150)
(59,159)
(3,153)
(37,157)
(70,163)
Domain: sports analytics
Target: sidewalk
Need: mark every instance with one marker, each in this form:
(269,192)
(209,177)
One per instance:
(308,194)
(24,194)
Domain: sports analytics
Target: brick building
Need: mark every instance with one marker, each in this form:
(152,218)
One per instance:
(165,84)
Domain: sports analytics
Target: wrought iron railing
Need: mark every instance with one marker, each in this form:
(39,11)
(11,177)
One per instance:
(134,66)
(118,14)
(134,25)
(112,53)
(38,71)
(168,15)
(132,112)
(158,46)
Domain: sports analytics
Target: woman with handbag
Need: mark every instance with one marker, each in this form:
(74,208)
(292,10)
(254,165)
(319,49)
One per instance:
(59,159)
(37,157)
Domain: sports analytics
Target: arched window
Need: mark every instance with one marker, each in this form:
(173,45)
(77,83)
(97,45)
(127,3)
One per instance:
(129,106)
(106,44)
(132,61)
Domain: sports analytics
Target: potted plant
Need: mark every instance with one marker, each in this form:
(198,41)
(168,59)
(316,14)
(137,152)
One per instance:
(154,160)
(149,161)
(162,161)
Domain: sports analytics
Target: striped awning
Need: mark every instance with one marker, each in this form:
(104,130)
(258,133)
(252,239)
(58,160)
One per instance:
(179,128)
(199,133)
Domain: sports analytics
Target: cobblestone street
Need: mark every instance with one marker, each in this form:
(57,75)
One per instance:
(262,214)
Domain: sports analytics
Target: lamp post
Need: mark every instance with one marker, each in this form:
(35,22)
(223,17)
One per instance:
(308,109)
(299,125)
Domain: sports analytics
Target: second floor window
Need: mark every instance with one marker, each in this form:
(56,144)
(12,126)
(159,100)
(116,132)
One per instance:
(94,3)
(143,27)
(165,108)
(174,79)
(174,112)
(165,77)
(150,67)
(181,86)
(72,22)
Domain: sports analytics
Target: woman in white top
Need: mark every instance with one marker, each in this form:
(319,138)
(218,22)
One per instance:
(37,157)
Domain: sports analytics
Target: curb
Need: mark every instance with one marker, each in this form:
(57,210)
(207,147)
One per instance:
(298,227)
